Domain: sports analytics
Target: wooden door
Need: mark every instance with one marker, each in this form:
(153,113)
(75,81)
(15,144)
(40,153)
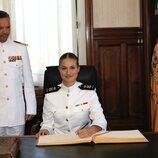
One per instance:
(121,57)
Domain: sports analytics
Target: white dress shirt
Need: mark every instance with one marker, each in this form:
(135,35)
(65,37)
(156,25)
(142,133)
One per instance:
(71,108)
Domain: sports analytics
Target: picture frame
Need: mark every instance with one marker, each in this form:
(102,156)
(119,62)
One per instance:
(156,7)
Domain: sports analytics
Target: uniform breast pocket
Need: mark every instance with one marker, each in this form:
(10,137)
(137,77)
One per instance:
(82,110)
(15,70)
(16,64)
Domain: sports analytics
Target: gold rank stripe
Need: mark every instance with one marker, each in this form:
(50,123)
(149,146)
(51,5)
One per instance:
(52,89)
(87,87)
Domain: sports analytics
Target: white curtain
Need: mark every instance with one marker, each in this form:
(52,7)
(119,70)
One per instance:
(47,26)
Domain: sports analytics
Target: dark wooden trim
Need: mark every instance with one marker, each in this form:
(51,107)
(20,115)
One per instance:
(89,30)
(147,55)
(117,33)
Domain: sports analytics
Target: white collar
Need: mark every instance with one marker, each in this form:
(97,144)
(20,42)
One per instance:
(71,88)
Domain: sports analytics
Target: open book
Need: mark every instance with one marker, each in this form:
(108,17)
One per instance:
(126,136)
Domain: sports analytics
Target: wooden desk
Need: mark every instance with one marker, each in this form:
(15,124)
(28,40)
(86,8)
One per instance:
(135,150)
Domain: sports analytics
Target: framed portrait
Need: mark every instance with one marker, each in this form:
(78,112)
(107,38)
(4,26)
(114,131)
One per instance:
(156,7)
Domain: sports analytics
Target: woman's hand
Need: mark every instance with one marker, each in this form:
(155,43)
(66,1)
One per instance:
(87,132)
(42,132)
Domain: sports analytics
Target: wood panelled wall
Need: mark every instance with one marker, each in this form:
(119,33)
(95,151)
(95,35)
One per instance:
(121,58)
(119,61)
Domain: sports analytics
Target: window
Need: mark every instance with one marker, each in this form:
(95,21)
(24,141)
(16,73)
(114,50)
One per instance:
(49,29)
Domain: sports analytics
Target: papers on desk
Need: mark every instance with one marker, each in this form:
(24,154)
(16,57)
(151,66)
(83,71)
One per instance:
(124,136)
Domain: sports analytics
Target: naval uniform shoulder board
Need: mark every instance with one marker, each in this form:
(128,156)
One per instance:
(21,43)
(87,87)
(52,89)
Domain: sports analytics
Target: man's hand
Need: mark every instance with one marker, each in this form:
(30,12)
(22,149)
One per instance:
(29,117)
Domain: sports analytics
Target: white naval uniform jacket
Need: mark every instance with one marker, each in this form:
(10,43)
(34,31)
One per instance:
(70,108)
(15,72)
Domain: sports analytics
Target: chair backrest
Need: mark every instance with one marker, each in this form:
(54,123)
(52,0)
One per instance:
(87,75)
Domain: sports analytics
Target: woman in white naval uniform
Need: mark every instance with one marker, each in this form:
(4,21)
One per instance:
(15,72)
(71,106)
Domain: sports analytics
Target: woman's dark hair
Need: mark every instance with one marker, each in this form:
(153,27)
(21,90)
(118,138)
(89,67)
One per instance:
(4,14)
(71,56)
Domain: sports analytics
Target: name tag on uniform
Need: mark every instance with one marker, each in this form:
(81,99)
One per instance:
(81,104)
(14,58)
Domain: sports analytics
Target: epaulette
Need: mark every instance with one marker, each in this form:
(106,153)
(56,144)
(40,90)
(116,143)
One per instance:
(21,43)
(87,87)
(52,89)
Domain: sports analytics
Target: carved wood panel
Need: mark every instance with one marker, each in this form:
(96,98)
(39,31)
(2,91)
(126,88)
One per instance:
(119,60)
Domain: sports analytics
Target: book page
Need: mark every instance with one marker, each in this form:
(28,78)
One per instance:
(61,139)
(125,136)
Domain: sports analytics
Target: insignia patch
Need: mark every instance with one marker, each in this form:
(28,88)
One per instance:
(52,89)
(87,87)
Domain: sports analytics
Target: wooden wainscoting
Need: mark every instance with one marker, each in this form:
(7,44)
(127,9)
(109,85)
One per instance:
(38,117)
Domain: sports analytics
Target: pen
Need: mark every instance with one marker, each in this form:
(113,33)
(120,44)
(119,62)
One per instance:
(84,125)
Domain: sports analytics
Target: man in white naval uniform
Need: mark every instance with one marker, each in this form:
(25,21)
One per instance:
(15,80)
(71,106)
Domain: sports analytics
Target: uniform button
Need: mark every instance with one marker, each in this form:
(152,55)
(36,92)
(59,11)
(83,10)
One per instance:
(4,62)
(66,107)
(5,74)
(2,50)
(6,86)
(7,98)
(67,120)
(68,130)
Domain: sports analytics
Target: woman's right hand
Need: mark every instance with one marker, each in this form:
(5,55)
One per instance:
(42,132)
